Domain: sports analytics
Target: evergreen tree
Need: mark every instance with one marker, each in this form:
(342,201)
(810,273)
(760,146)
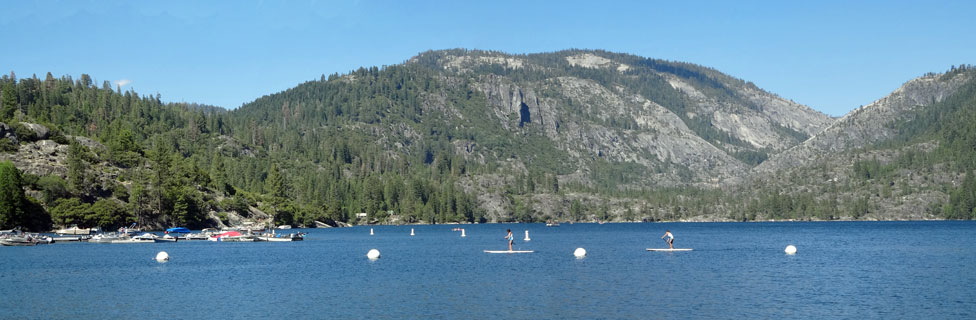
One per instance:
(12,197)
(8,101)
(275,185)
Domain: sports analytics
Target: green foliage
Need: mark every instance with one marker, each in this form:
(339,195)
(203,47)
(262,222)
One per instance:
(962,200)
(12,197)
(53,188)
(8,146)
(8,100)
(23,133)
(108,214)
(78,177)
(69,211)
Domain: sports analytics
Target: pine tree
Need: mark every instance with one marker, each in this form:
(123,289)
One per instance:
(8,101)
(275,185)
(12,197)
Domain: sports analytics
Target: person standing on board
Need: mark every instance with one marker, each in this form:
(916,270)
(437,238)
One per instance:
(510,238)
(670,238)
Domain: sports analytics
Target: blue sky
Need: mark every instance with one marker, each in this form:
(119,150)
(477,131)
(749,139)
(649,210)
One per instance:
(831,56)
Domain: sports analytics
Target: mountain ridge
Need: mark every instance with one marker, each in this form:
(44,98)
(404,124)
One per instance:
(482,136)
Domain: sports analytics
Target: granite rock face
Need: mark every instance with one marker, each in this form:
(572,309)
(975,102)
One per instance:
(6,132)
(40,132)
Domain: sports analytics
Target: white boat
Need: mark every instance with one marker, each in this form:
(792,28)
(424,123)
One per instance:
(284,227)
(166,238)
(143,238)
(203,235)
(106,237)
(283,237)
(73,230)
(18,240)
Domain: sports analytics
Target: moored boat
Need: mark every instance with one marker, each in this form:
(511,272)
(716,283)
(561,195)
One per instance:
(234,236)
(283,237)
(143,238)
(177,230)
(73,230)
(166,238)
(106,237)
(19,241)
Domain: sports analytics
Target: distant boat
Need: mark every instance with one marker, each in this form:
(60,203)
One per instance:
(166,238)
(178,230)
(73,230)
(204,234)
(233,236)
(130,229)
(552,224)
(19,240)
(107,237)
(284,227)
(282,237)
(143,238)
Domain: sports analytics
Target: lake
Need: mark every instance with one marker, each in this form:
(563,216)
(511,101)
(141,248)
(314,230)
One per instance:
(737,270)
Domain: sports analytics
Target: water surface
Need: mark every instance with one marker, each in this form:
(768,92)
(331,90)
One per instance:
(841,270)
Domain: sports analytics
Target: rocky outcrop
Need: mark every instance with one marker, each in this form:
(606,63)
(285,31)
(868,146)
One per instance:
(89,143)
(756,117)
(41,158)
(40,132)
(6,132)
(600,118)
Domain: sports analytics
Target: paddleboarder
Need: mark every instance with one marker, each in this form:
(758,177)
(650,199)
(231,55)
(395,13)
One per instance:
(510,238)
(670,238)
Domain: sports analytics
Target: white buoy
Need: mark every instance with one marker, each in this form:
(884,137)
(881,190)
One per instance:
(411,231)
(790,249)
(462,233)
(162,256)
(370,231)
(527,236)
(373,254)
(580,252)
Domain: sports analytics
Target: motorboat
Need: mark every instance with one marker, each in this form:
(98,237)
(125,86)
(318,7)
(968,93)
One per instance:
(106,237)
(166,238)
(18,240)
(178,230)
(234,236)
(73,230)
(284,227)
(204,234)
(282,237)
(143,238)
(552,224)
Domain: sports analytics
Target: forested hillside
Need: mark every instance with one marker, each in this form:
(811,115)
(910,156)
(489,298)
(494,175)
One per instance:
(476,136)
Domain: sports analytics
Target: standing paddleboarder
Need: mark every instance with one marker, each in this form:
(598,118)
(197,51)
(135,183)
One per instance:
(670,238)
(510,238)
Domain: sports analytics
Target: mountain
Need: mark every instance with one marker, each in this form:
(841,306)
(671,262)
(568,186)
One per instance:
(872,123)
(909,155)
(582,112)
(530,128)
(482,136)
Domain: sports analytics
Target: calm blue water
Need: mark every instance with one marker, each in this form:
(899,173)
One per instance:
(841,270)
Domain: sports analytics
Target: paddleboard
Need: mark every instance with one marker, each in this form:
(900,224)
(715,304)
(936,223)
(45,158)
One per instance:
(506,251)
(669,250)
